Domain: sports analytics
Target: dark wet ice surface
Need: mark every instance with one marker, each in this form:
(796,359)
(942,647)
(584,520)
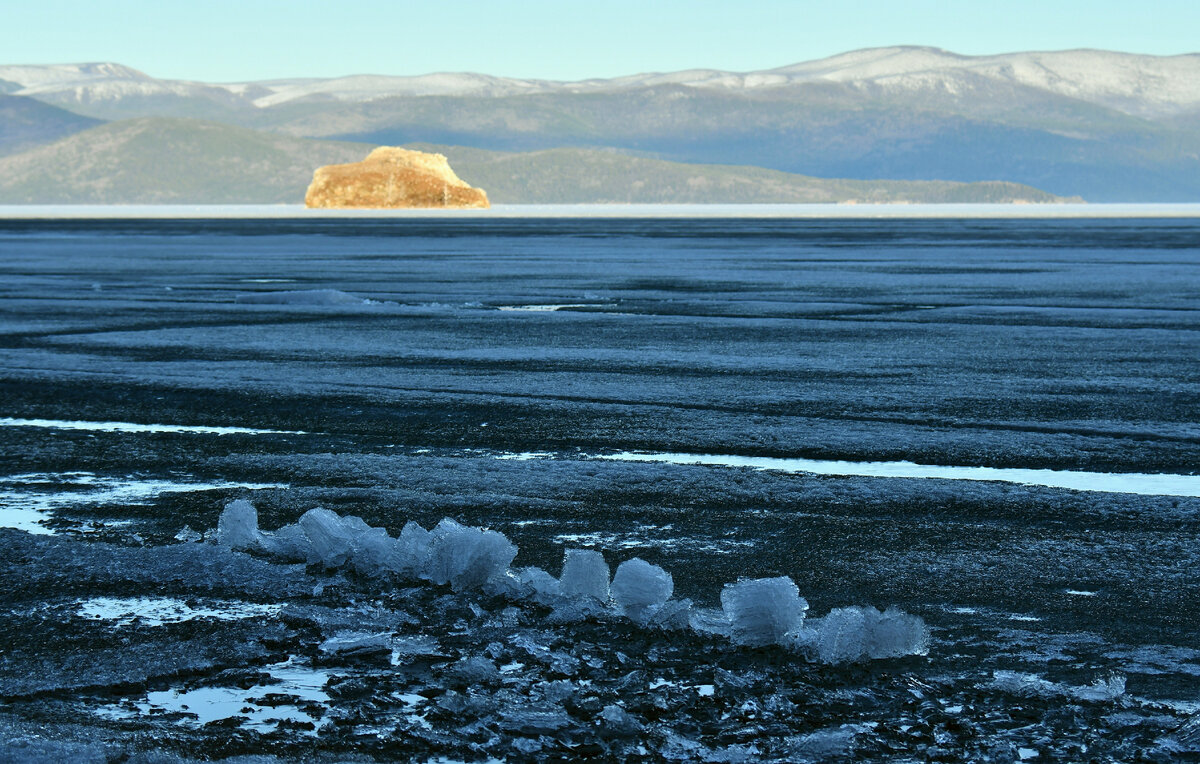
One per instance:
(436,355)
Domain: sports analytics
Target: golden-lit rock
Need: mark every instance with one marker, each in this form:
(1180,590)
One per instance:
(391,178)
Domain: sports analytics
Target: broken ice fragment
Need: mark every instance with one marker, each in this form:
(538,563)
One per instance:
(289,542)
(237,527)
(894,633)
(840,637)
(539,585)
(617,721)
(530,721)
(674,615)
(466,557)
(473,673)
(412,551)
(373,551)
(585,574)
(356,643)
(761,611)
(853,633)
(639,588)
(187,535)
(330,540)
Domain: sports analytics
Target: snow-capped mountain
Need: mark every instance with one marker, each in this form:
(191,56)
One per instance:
(1145,86)
(1101,125)
(99,83)
(1136,84)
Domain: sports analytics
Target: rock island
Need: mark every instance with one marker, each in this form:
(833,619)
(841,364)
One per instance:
(392,177)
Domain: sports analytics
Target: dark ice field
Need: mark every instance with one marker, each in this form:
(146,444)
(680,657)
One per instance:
(492,374)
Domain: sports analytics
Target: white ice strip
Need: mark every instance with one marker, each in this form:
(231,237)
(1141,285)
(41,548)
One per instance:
(547,308)
(521,457)
(1145,484)
(24,507)
(157,611)
(65,424)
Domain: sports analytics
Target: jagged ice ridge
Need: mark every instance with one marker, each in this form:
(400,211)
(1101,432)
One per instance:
(754,612)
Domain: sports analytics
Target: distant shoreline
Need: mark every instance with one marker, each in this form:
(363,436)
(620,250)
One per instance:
(615,211)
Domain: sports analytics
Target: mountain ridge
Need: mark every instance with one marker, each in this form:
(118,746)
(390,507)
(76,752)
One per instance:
(177,160)
(1143,84)
(1103,125)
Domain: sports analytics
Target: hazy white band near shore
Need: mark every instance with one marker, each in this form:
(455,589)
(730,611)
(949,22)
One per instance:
(664,211)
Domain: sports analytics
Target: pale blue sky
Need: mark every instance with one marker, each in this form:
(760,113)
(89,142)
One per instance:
(225,40)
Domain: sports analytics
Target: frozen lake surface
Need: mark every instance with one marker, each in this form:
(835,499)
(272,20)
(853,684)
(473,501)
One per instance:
(990,422)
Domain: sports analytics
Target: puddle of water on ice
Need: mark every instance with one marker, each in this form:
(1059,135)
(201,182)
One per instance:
(410,699)
(156,611)
(24,506)
(203,705)
(1108,482)
(66,424)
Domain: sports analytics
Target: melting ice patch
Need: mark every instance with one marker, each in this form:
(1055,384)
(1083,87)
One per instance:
(25,502)
(1145,484)
(157,611)
(66,424)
